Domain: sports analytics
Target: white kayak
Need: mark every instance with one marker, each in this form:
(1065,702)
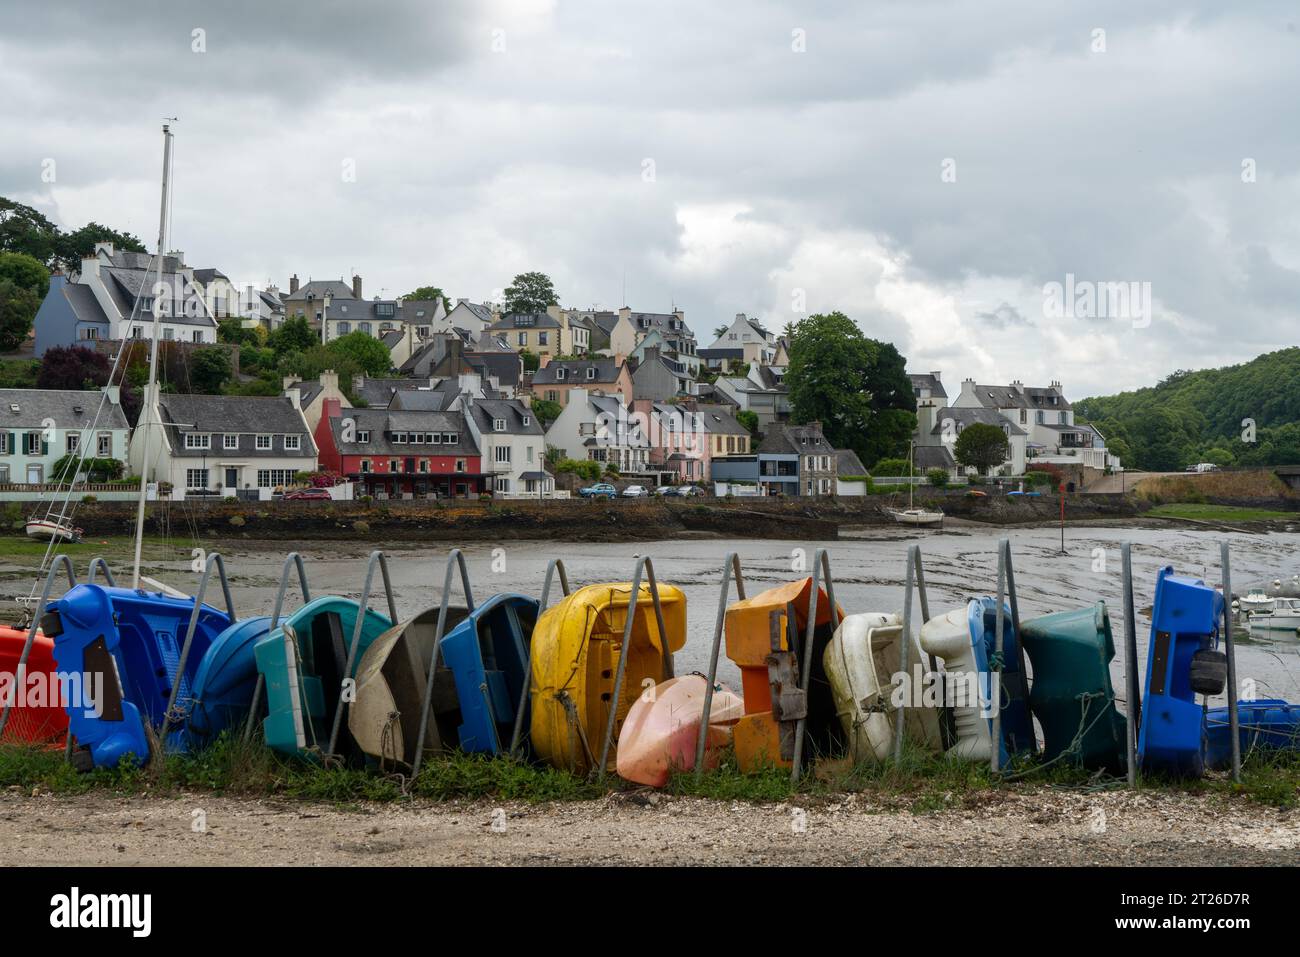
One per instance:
(863,662)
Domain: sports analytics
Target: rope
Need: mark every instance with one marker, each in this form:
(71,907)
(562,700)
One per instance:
(1075,748)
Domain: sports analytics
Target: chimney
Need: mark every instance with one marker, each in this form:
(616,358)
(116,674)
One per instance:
(936,375)
(358,382)
(104,248)
(295,398)
(329,381)
(1018,386)
(356,287)
(555,312)
(1056,385)
(114,393)
(543,360)
(331,409)
(293,284)
(288,381)
(925,410)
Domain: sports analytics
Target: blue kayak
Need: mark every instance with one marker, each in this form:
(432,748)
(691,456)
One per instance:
(1266,724)
(1185,621)
(226,679)
(128,643)
(487,654)
(1017,722)
(304,662)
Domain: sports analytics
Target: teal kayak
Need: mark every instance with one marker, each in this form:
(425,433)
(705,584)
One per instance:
(1070,652)
(304,662)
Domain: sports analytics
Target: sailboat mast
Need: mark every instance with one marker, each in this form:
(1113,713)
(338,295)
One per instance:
(156,334)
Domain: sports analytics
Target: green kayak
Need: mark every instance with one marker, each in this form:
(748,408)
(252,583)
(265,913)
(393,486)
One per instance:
(1070,652)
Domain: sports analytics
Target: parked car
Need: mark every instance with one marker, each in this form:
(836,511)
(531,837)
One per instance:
(307,495)
(686,491)
(635,491)
(666,491)
(1203,467)
(599,490)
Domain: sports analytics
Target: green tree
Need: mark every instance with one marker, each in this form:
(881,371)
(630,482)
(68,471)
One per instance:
(26,272)
(369,354)
(531,360)
(981,446)
(294,335)
(530,292)
(209,370)
(855,386)
(17,310)
(749,420)
(546,411)
(25,230)
(71,248)
(430,294)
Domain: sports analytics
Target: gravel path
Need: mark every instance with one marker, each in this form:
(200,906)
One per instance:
(644,828)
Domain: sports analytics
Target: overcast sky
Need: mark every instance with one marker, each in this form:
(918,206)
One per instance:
(925,167)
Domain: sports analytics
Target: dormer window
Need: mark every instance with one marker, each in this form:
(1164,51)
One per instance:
(196,440)
(498,425)
(591,372)
(561,374)
(528,420)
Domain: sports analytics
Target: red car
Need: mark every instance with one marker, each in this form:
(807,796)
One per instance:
(307,494)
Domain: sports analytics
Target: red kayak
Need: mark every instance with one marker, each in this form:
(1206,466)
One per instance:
(35,716)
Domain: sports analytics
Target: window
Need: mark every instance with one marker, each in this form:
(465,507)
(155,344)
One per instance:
(561,374)
(263,443)
(399,438)
(591,372)
(363,436)
(274,478)
(104,445)
(503,484)
(424,465)
(4,475)
(528,453)
(90,332)
(460,465)
(541,338)
(363,327)
(343,328)
(1063,422)
(137,332)
(528,420)
(437,438)
(1024,416)
(230,441)
(449,438)
(552,395)
(523,338)
(196,478)
(365,465)
(430,438)
(385,309)
(198,335)
(498,425)
(71,441)
(198,440)
(501,455)
(1038,417)
(394,465)
(169,334)
(292,443)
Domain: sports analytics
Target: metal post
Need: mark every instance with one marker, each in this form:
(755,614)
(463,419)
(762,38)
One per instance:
(376,558)
(455,559)
(59,561)
(555,564)
(1230,651)
(213,558)
(1014,601)
(1131,690)
(659,617)
(909,582)
(821,568)
(293,559)
(995,669)
(730,570)
(100,564)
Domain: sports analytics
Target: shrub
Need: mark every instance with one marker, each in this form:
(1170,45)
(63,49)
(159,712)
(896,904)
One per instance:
(361,528)
(975,479)
(937,477)
(892,467)
(89,499)
(237,521)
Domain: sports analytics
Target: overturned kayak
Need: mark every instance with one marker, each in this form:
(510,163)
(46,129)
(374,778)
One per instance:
(758,634)
(488,657)
(965,638)
(304,662)
(1266,724)
(863,663)
(662,729)
(36,714)
(226,680)
(126,645)
(1182,661)
(576,647)
(391,680)
(1072,696)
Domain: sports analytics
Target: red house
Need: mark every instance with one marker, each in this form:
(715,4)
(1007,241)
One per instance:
(394,453)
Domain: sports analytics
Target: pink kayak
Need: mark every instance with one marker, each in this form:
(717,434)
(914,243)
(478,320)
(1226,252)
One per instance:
(662,729)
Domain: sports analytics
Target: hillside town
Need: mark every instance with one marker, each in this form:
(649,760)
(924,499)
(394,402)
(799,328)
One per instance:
(474,399)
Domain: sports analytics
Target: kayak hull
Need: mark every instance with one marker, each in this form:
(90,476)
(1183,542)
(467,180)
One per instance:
(226,680)
(662,729)
(32,719)
(1267,724)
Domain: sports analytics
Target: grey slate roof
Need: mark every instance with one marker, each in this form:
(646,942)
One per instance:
(316,289)
(206,276)
(479,309)
(720,420)
(1008,397)
(83,302)
(381,423)
(486,411)
(61,405)
(925,380)
(422,400)
(506,367)
(125,285)
(376,393)
(243,415)
(930,457)
(790,440)
(970,416)
(530,320)
(848,463)
(607,370)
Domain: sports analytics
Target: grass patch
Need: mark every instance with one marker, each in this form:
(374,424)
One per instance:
(1218,513)
(1259,484)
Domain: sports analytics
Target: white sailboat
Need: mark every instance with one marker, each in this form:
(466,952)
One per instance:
(913,515)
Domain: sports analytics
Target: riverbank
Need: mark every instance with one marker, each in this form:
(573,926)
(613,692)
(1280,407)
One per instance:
(579,520)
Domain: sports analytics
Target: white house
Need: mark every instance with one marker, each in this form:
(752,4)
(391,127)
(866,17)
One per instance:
(473,317)
(512,443)
(40,426)
(631,328)
(600,428)
(1046,417)
(222,445)
(937,430)
(745,342)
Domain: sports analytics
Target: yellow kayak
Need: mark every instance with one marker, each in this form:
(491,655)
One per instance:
(575,652)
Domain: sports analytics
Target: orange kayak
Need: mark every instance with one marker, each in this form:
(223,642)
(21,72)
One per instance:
(36,716)
(662,729)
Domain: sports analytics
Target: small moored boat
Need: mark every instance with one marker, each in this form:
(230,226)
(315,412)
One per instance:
(662,729)
(1283,614)
(46,529)
(1266,724)
(36,715)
